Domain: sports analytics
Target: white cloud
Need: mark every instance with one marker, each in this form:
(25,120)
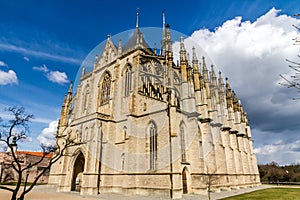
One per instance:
(47,136)
(9,77)
(37,53)
(278,152)
(41,69)
(26,58)
(278,146)
(253,55)
(3,64)
(53,76)
(57,77)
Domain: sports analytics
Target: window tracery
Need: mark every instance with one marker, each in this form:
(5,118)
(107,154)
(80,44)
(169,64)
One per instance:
(182,141)
(153,145)
(105,89)
(128,81)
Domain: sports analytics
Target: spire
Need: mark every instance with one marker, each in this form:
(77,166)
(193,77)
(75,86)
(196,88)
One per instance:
(163,40)
(221,83)
(213,77)
(69,97)
(213,74)
(137,18)
(166,42)
(70,88)
(195,60)
(235,102)
(228,94)
(221,88)
(182,50)
(189,69)
(205,71)
(188,60)
(163,19)
(196,71)
(183,62)
(66,108)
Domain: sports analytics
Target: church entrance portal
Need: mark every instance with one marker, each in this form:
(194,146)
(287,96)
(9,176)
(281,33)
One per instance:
(77,173)
(184,181)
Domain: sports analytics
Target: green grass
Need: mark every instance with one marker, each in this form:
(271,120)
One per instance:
(271,193)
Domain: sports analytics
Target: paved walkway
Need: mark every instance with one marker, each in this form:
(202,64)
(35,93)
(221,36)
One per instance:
(49,193)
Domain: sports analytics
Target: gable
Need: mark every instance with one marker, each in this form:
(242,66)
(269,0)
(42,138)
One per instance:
(109,53)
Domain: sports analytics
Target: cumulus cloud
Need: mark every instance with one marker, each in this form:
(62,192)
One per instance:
(9,77)
(57,77)
(47,136)
(252,55)
(3,64)
(53,76)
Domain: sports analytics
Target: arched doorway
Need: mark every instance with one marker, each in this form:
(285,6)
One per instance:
(184,181)
(77,172)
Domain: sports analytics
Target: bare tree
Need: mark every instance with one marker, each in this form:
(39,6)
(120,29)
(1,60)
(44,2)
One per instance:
(16,130)
(210,180)
(293,81)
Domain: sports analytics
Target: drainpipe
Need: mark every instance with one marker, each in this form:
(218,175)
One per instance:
(170,141)
(100,158)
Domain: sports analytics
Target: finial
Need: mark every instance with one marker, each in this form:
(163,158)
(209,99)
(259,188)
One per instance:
(83,71)
(137,18)
(213,71)
(155,48)
(227,85)
(120,47)
(220,79)
(108,36)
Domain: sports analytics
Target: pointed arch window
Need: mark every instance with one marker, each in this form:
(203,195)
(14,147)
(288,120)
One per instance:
(105,89)
(182,142)
(86,98)
(153,145)
(128,80)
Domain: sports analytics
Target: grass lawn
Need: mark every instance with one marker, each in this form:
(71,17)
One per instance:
(271,193)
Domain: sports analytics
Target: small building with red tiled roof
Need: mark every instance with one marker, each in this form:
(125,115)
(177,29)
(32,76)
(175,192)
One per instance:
(8,174)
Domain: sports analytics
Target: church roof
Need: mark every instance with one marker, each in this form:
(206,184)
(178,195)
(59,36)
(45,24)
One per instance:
(135,39)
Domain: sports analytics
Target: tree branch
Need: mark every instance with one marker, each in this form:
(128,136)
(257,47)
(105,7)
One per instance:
(6,188)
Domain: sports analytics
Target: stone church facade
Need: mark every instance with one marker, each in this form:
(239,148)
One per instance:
(153,127)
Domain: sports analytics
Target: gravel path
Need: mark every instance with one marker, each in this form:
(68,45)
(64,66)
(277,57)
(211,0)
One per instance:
(49,193)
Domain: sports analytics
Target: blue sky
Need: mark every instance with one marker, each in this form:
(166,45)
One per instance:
(42,45)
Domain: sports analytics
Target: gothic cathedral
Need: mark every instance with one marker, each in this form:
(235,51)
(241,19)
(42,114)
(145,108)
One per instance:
(149,126)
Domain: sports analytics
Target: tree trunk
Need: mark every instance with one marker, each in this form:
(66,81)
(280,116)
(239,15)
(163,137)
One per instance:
(14,196)
(21,197)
